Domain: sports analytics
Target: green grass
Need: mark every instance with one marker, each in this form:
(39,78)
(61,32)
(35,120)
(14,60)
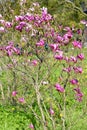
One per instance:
(13,120)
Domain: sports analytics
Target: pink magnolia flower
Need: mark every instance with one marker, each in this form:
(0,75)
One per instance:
(77,44)
(10,45)
(79,31)
(59,38)
(23,24)
(36,4)
(31,126)
(44,11)
(79,94)
(80,56)
(52,32)
(19,28)
(74,81)
(68,35)
(19,18)
(34,62)
(83,22)
(51,111)
(29,17)
(59,88)
(66,41)
(77,69)
(67,59)
(77,90)
(54,46)
(40,43)
(67,29)
(2,21)
(74,59)
(2,29)
(67,69)
(9,52)
(8,24)
(15,49)
(46,17)
(59,56)
(14,93)
(0,16)
(21,100)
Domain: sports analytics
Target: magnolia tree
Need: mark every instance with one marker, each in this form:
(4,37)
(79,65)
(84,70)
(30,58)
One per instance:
(42,61)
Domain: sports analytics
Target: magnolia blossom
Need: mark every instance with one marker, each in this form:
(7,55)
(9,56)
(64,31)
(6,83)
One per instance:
(54,47)
(40,43)
(36,4)
(51,111)
(21,100)
(0,16)
(45,16)
(34,62)
(67,59)
(79,94)
(44,11)
(10,49)
(59,88)
(19,18)
(19,28)
(80,56)
(59,55)
(74,81)
(67,69)
(31,126)
(74,59)
(59,38)
(9,52)
(77,69)
(2,29)
(67,29)
(2,21)
(79,31)
(8,24)
(83,22)
(68,35)
(14,93)
(77,44)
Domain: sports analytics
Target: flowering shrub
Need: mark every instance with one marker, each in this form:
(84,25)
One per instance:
(41,57)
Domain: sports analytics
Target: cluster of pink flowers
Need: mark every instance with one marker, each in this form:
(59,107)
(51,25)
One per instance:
(10,49)
(40,43)
(20,100)
(59,88)
(77,44)
(79,94)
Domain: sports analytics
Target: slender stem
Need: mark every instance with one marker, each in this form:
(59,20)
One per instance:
(64,114)
(3,97)
(39,104)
